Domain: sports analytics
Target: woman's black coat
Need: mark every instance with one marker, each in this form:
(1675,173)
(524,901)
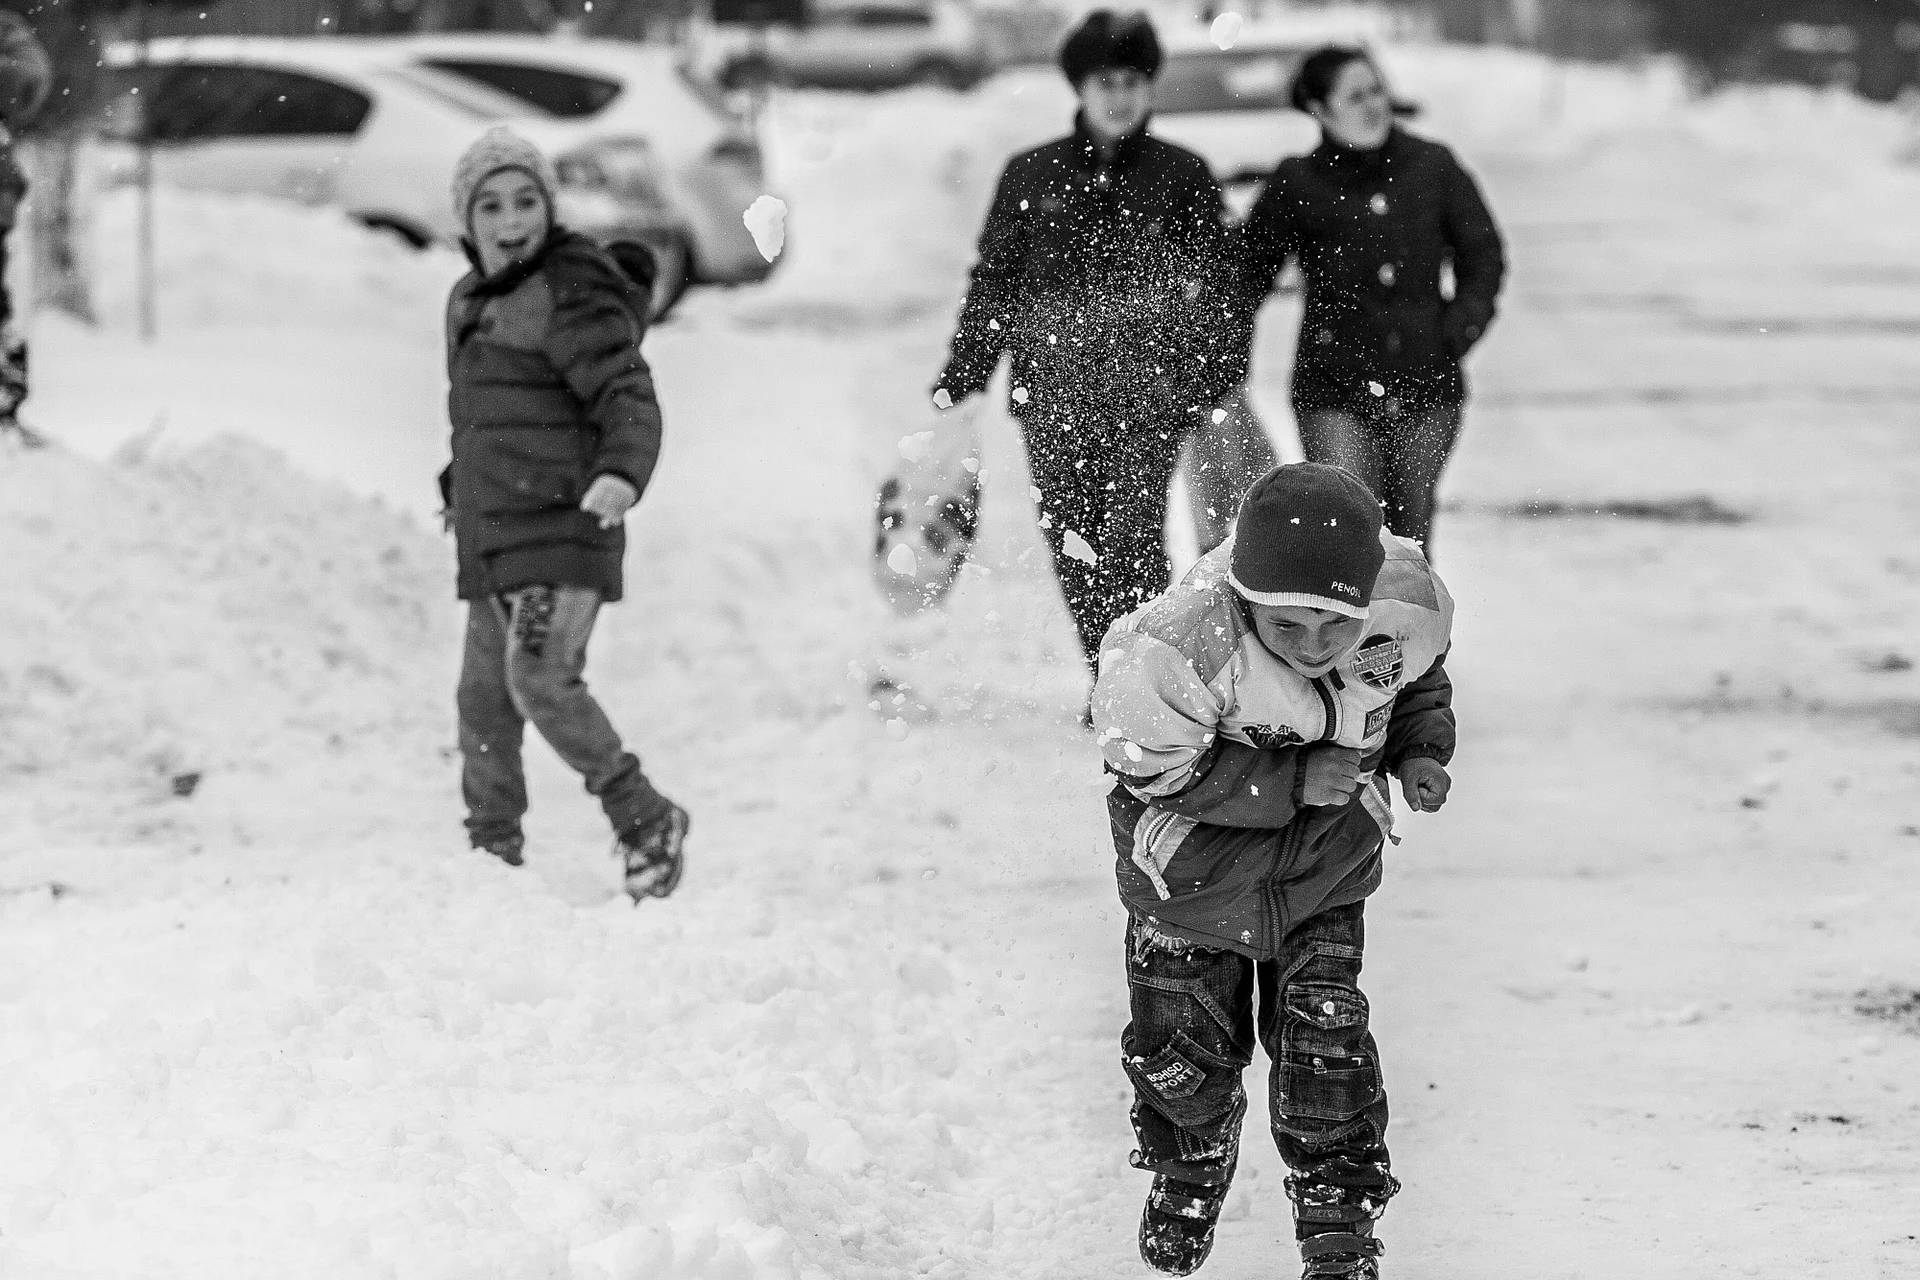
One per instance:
(1373,231)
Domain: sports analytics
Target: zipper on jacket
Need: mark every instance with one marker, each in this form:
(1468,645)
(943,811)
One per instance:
(1330,705)
(1289,851)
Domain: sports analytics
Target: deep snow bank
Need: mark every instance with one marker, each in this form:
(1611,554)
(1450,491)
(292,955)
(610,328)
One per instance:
(206,610)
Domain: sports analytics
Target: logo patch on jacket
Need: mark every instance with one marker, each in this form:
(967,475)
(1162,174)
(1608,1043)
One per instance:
(1269,737)
(1378,661)
(1378,719)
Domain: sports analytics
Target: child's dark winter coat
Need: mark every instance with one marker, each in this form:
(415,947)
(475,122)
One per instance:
(548,391)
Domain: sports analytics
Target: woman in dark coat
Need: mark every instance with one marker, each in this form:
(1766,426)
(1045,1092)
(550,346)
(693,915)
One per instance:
(1378,219)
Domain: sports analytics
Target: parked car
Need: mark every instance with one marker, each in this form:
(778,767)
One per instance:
(1232,106)
(852,44)
(374,125)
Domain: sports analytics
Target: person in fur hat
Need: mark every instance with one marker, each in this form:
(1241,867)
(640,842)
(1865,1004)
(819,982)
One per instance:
(555,435)
(1252,715)
(1102,271)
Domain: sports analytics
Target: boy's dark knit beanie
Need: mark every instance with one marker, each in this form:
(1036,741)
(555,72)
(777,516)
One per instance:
(1308,534)
(1108,39)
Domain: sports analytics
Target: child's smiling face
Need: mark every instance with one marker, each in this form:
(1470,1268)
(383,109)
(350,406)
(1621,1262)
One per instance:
(1311,641)
(509,220)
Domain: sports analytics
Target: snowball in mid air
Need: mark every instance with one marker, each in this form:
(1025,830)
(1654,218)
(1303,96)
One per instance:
(766,220)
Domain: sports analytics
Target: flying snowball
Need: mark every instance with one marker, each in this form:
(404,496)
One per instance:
(1225,31)
(901,561)
(1077,547)
(916,446)
(766,220)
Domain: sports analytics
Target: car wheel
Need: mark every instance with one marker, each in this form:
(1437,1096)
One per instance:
(673,263)
(751,76)
(414,237)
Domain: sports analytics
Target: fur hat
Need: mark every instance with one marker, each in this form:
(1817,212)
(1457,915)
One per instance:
(1308,534)
(499,148)
(1108,39)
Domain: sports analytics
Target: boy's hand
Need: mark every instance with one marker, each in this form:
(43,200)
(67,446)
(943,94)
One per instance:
(1424,783)
(1331,774)
(609,497)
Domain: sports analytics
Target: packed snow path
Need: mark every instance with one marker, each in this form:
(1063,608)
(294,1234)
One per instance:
(1625,984)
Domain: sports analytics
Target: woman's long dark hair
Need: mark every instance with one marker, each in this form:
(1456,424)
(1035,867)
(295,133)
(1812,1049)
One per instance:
(1314,80)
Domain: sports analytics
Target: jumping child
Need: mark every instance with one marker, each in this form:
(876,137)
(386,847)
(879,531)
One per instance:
(555,435)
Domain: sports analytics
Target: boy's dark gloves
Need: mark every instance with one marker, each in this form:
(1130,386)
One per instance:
(1330,775)
(1424,782)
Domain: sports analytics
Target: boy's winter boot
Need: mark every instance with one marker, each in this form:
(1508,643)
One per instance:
(651,854)
(1176,1228)
(1334,1208)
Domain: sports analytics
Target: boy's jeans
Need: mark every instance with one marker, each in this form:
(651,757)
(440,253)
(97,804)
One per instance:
(524,653)
(1192,1034)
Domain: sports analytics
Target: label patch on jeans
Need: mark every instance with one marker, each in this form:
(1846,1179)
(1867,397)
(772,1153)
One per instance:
(531,612)
(1171,1075)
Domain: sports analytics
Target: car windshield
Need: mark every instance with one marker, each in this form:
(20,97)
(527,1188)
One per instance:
(558,92)
(1236,80)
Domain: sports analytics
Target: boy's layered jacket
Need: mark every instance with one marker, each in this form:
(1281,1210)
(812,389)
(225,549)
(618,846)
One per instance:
(1206,728)
(1109,281)
(548,391)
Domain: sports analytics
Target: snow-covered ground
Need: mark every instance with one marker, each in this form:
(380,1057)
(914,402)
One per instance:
(1645,989)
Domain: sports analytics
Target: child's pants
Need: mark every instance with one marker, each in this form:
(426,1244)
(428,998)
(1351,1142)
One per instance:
(524,654)
(1192,1034)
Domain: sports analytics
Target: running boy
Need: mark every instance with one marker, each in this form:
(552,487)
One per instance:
(555,434)
(1250,713)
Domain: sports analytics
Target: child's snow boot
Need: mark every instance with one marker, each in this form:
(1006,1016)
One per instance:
(1344,1255)
(651,854)
(1176,1228)
(1334,1209)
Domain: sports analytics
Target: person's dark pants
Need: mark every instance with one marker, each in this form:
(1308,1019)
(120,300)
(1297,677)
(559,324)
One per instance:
(1223,460)
(1399,456)
(523,658)
(1196,1014)
(13,347)
(1106,484)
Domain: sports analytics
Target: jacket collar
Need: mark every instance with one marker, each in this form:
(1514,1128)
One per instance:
(1353,160)
(515,274)
(1126,152)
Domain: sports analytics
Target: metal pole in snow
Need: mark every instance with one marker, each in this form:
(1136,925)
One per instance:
(144,170)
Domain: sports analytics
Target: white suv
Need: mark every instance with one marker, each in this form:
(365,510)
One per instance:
(374,125)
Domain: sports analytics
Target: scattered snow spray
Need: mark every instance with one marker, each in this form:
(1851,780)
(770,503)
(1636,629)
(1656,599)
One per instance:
(766,220)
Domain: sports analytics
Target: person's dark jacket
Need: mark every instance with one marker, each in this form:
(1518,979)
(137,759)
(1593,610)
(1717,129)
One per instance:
(1107,282)
(548,391)
(1372,231)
